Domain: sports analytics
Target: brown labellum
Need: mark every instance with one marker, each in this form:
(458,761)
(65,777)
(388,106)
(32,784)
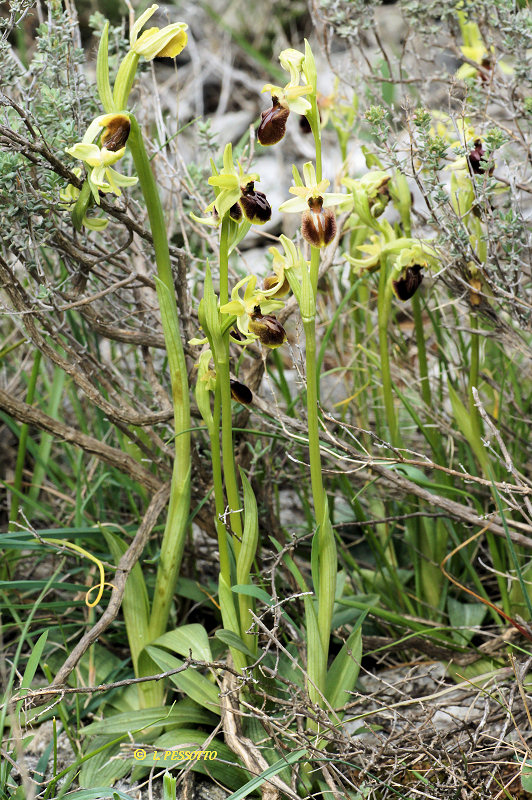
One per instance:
(273,124)
(267,329)
(116,133)
(318,224)
(409,282)
(241,393)
(254,205)
(474,158)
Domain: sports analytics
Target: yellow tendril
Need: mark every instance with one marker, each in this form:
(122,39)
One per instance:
(95,560)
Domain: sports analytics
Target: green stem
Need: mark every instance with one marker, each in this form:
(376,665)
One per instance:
(224,261)
(473,377)
(179,506)
(228,457)
(421,351)
(223,375)
(387,388)
(314,120)
(22,444)
(325,581)
(318,493)
(314,269)
(219,502)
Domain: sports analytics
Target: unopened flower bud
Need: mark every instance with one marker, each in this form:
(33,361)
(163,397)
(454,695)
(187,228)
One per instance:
(254,205)
(273,123)
(241,393)
(380,199)
(267,329)
(475,157)
(408,282)
(116,133)
(318,224)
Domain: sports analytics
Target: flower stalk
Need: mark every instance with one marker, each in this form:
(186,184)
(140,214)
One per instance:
(176,524)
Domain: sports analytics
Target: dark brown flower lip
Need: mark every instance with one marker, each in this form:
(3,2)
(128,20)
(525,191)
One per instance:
(254,205)
(267,329)
(272,126)
(408,283)
(476,156)
(318,224)
(241,393)
(116,133)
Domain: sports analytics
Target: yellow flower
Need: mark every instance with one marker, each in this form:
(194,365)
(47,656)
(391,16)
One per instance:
(239,190)
(245,308)
(102,177)
(475,50)
(157,43)
(311,191)
(318,224)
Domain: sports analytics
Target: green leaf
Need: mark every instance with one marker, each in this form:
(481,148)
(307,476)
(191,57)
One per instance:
(250,535)
(102,72)
(232,640)
(190,682)
(135,604)
(33,661)
(192,740)
(466,426)
(343,672)
(103,793)
(253,591)
(182,713)
(186,639)
(465,616)
(526,776)
(104,767)
(254,783)
(169,787)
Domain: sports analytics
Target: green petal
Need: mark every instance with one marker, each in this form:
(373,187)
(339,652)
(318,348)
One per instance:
(294,206)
